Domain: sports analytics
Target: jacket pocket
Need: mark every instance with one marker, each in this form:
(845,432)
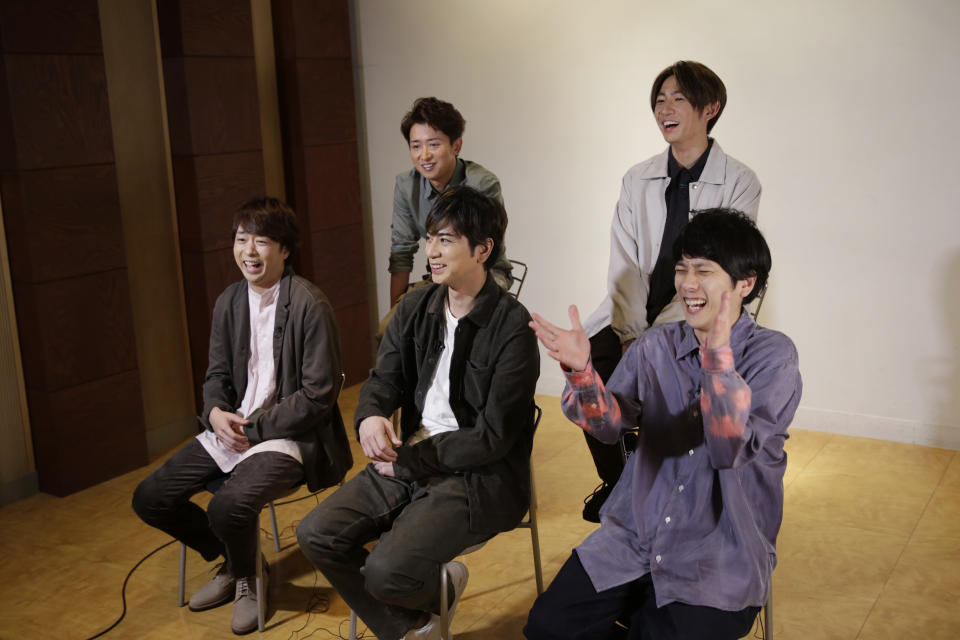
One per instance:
(476,384)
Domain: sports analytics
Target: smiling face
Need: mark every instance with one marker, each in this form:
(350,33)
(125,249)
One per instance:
(453,263)
(680,123)
(700,285)
(261,260)
(433,155)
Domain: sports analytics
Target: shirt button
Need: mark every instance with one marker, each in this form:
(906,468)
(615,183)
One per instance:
(695,185)
(681,488)
(593,405)
(667,519)
(690,452)
(658,558)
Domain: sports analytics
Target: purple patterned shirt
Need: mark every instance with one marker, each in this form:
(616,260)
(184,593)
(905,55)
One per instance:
(700,502)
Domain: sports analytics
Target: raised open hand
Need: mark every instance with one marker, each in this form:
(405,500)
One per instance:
(719,335)
(570,347)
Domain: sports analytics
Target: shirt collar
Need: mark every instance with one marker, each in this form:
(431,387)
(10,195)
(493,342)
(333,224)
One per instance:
(259,301)
(482,309)
(741,330)
(715,170)
(674,168)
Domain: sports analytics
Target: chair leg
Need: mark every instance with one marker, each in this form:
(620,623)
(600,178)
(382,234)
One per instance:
(444,617)
(768,617)
(535,536)
(181,599)
(276,532)
(261,587)
(353,625)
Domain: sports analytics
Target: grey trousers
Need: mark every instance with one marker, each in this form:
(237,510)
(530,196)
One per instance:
(420,525)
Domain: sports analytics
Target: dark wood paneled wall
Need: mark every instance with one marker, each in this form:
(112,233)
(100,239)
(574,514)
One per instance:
(214,120)
(315,79)
(68,267)
(66,231)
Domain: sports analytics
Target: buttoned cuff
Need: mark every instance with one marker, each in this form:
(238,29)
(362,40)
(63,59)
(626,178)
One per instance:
(581,379)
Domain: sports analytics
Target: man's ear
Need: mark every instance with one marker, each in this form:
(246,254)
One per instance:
(744,287)
(482,251)
(457,144)
(711,110)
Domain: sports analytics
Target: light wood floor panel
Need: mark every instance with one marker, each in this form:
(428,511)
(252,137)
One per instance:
(826,558)
(941,518)
(868,549)
(867,501)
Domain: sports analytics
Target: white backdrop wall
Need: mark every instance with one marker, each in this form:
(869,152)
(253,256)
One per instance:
(847,111)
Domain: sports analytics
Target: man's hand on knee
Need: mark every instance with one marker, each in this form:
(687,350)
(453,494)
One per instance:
(229,429)
(378,438)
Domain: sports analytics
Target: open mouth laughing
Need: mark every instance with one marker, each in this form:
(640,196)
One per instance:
(694,305)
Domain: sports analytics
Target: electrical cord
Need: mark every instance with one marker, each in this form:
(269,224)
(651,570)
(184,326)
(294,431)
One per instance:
(123,590)
(318,603)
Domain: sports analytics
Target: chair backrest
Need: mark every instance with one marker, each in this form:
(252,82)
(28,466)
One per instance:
(517,277)
(758,301)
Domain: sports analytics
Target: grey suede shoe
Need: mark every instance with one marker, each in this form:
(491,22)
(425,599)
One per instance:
(245,604)
(215,593)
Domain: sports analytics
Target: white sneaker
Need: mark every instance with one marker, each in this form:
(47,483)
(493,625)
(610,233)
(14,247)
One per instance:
(429,631)
(458,575)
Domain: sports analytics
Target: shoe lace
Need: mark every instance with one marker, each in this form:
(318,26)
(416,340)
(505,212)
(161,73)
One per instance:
(243,587)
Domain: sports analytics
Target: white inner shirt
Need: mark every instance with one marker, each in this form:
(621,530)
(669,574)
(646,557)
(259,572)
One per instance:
(437,415)
(261,384)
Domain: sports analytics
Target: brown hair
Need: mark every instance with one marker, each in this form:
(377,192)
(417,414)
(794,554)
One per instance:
(697,83)
(438,114)
(271,218)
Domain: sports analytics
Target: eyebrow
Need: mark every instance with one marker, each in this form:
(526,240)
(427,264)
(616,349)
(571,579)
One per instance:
(443,234)
(693,262)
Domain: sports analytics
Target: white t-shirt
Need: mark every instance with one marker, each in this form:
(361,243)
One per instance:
(437,415)
(261,392)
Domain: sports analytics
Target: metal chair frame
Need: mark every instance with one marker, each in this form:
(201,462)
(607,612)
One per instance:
(530,523)
(517,280)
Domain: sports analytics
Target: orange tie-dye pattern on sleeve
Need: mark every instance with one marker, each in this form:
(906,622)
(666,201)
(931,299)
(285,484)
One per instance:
(724,399)
(588,404)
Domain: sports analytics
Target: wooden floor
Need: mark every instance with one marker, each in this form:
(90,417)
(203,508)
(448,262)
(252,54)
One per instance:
(870,548)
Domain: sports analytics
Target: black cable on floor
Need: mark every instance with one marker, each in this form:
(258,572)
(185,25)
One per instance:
(123,590)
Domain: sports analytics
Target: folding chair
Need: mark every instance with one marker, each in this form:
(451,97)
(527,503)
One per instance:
(517,280)
(529,523)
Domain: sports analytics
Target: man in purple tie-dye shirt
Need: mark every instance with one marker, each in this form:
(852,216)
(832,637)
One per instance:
(687,540)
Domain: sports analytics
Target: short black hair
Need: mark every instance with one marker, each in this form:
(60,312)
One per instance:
(269,217)
(698,84)
(471,214)
(436,113)
(730,239)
